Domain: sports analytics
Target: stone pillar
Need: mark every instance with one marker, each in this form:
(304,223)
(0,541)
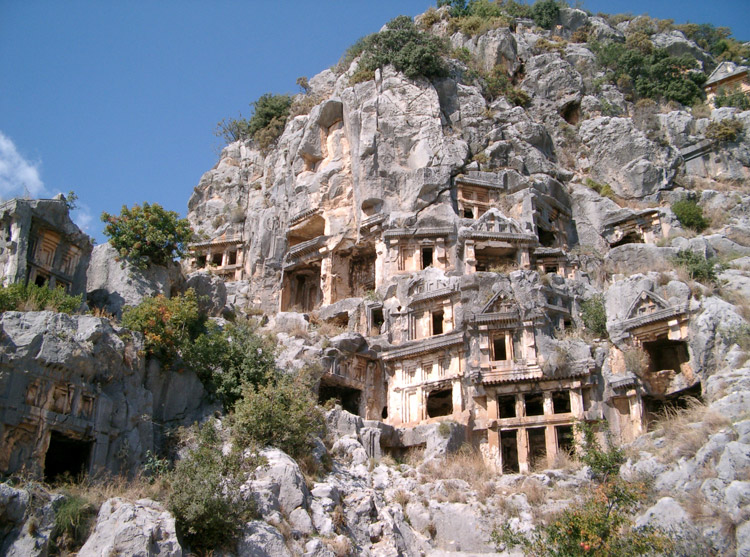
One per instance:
(550,439)
(576,403)
(636,414)
(549,408)
(458,399)
(327,279)
(522,443)
(441,254)
(524,259)
(470,261)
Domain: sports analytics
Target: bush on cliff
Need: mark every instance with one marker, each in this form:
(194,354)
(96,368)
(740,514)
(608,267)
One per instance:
(168,324)
(690,215)
(206,499)
(411,51)
(280,412)
(227,360)
(30,297)
(147,234)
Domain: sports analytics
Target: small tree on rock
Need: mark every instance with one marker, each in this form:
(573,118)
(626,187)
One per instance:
(147,234)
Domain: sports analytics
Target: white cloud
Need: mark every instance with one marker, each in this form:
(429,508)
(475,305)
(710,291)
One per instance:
(17,175)
(83,217)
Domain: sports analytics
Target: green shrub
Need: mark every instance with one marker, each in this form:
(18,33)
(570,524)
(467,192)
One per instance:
(718,41)
(168,325)
(545,13)
(698,267)
(147,234)
(269,114)
(226,360)
(496,83)
(724,130)
(653,75)
(30,297)
(74,518)
(594,315)
(690,215)
(280,412)
(411,51)
(205,499)
(734,98)
(604,463)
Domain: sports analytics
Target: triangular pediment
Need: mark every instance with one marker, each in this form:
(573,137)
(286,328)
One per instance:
(499,303)
(646,303)
(494,221)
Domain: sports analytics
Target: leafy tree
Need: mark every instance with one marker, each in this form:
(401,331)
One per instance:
(71,200)
(168,325)
(409,50)
(280,412)
(206,499)
(690,214)
(227,360)
(594,315)
(147,234)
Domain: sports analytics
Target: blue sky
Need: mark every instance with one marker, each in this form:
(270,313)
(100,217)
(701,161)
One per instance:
(119,100)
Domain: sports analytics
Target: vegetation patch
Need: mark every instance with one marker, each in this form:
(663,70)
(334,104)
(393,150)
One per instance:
(594,315)
(724,130)
(206,499)
(74,519)
(30,297)
(697,265)
(690,215)
(147,234)
(401,44)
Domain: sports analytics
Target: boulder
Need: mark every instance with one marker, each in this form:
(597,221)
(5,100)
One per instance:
(282,471)
(260,539)
(140,529)
(113,283)
(211,292)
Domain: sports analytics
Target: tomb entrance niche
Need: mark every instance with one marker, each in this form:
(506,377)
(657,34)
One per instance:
(537,447)
(440,403)
(66,456)
(308,229)
(509,451)
(494,256)
(301,291)
(348,397)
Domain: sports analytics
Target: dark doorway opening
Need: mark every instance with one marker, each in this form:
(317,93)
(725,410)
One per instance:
(565,439)
(506,406)
(376,320)
(537,447)
(40,280)
(632,238)
(571,113)
(468,213)
(499,351)
(348,398)
(66,456)
(437,322)
(546,238)
(384,413)
(426,257)
(232,259)
(509,451)
(216,259)
(666,354)
(534,404)
(440,403)
(200,262)
(561,402)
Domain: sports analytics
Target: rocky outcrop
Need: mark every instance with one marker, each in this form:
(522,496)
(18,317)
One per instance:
(113,283)
(140,528)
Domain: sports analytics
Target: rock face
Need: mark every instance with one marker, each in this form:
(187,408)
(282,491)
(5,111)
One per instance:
(142,528)
(113,284)
(75,393)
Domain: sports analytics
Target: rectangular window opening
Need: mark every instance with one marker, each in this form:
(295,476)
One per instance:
(499,350)
(506,406)
(437,322)
(534,404)
(426,257)
(232,258)
(561,402)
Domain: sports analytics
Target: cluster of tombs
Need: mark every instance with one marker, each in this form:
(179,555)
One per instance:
(434,354)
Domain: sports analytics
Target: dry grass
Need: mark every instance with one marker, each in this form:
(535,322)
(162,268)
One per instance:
(685,430)
(467,465)
(340,545)
(401,497)
(97,490)
(535,492)
(103,313)
(566,461)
